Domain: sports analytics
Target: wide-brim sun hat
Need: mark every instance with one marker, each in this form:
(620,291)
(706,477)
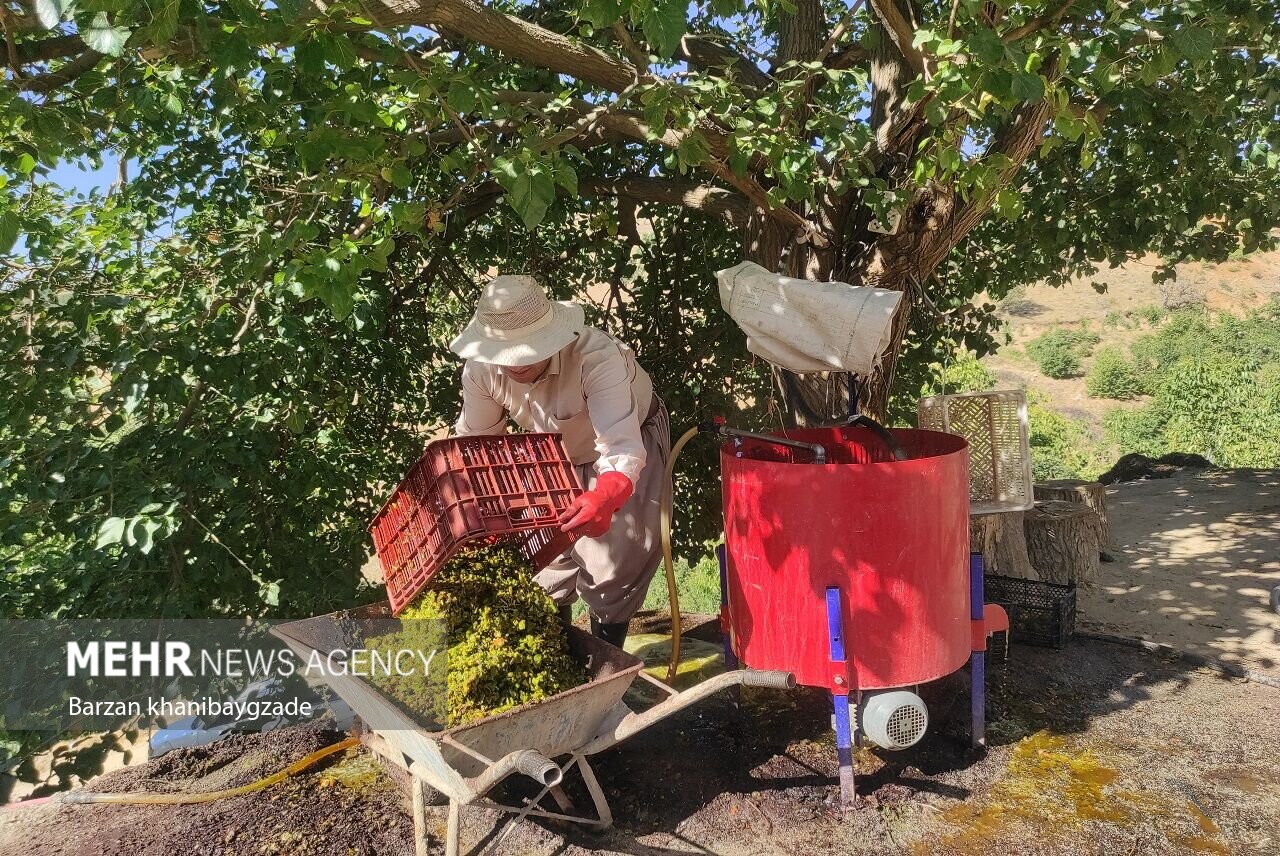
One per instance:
(516,324)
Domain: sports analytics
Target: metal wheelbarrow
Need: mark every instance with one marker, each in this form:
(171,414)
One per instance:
(465,762)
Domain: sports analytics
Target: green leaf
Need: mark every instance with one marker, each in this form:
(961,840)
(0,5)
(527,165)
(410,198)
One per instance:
(461,97)
(110,532)
(1194,43)
(530,189)
(296,420)
(664,26)
(601,13)
(103,37)
(986,45)
(164,20)
(146,538)
(1008,204)
(52,12)
(693,150)
(336,294)
(9,229)
(567,177)
(397,174)
(26,163)
(949,159)
(1026,87)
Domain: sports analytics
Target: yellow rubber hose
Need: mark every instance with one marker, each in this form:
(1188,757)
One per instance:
(190,798)
(668,489)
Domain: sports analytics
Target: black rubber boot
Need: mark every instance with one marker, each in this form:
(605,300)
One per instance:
(614,634)
(566,614)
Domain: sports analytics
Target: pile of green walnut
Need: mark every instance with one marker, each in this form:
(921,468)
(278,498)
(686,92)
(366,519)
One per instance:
(507,646)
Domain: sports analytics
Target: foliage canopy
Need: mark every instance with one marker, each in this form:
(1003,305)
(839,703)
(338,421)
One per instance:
(214,369)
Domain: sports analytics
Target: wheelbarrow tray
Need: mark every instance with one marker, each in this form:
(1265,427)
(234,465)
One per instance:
(555,726)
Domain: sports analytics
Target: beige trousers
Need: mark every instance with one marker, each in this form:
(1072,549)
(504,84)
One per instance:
(612,573)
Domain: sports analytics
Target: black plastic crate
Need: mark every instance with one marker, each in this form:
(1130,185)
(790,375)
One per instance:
(1040,613)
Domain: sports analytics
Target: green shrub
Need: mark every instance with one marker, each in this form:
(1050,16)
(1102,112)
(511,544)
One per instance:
(1055,355)
(1116,319)
(1136,430)
(1058,352)
(698,585)
(1112,376)
(1151,314)
(1213,405)
(964,374)
(1060,445)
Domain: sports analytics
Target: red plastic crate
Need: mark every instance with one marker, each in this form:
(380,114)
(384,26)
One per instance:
(465,488)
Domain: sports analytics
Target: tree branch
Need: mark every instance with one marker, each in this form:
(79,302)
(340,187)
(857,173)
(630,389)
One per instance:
(848,56)
(709,55)
(67,73)
(1016,141)
(639,58)
(47,49)
(687,194)
(838,32)
(900,32)
(510,35)
(1048,19)
(27,23)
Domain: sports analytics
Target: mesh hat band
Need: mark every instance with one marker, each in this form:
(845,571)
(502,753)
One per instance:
(511,325)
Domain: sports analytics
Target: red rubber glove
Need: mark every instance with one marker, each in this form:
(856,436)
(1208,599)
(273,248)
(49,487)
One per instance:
(592,513)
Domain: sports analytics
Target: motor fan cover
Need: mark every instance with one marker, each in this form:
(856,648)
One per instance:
(895,719)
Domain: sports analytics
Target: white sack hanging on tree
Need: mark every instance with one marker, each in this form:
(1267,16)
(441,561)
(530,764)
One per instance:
(806,326)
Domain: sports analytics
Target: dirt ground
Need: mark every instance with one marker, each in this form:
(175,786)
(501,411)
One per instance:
(1196,558)
(1097,748)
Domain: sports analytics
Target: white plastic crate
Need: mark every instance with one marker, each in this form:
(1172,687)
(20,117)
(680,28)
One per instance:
(995,424)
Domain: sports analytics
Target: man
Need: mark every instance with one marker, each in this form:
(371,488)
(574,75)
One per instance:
(534,361)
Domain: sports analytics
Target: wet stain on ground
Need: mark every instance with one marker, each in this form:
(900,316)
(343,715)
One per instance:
(1053,787)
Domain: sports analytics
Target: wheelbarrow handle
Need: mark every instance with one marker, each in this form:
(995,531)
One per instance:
(774,680)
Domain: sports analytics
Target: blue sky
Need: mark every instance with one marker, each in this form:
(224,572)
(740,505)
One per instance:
(83,177)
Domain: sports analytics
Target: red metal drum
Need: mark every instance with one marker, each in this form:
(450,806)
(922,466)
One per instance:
(892,535)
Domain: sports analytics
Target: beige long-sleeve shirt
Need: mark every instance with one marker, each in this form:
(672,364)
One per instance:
(593,392)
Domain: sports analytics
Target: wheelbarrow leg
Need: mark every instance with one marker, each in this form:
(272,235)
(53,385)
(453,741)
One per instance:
(453,830)
(419,818)
(562,799)
(597,795)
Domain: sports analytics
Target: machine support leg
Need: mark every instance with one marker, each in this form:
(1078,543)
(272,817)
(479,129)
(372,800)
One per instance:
(977,659)
(840,700)
(730,659)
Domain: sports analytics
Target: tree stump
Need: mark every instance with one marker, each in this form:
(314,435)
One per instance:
(1092,494)
(1063,540)
(1002,541)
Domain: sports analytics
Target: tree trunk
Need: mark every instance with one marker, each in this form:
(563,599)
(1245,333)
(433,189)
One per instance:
(1002,541)
(1063,540)
(1090,493)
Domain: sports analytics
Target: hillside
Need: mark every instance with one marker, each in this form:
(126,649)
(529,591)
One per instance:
(1129,307)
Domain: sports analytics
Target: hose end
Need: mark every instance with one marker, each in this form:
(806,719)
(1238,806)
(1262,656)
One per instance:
(774,680)
(539,767)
